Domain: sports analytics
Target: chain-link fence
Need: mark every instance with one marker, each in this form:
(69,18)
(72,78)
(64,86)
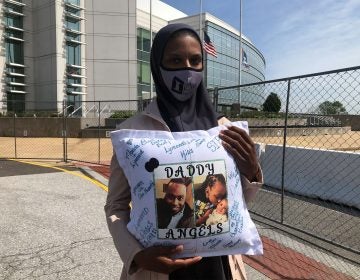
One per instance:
(307,128)
(62,131)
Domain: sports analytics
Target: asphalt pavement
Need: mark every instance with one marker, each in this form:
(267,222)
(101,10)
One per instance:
(53,227)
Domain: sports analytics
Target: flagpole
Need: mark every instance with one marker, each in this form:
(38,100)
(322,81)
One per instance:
(200,21)
(201,34)
(240,56)
(151,39)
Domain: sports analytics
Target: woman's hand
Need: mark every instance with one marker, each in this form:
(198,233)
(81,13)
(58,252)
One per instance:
(158,259)
(239,144)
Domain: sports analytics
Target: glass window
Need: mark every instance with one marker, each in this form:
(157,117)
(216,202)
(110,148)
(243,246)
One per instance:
(73,11)
(139,72)
(72,89)
(73,36)
(72,70)
(74,2)
(138,38)
(15,79)
(73,80)
(13,7)
(143,57)
(12,69)
(143,89)
(146,40)
(14,33)
(14,52)
(73,54)
(13,21)
(145,73)
(15,102)
(73,24)
(143,40)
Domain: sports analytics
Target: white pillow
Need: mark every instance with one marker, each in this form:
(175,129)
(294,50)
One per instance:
(165,172)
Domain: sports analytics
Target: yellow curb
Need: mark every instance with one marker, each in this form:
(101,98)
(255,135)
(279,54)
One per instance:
(95,182)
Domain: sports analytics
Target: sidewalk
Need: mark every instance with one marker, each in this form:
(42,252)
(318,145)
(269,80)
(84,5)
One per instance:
(284,257)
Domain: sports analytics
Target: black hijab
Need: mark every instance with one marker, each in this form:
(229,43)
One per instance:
(195,113)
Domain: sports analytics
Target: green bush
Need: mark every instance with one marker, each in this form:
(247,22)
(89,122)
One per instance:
(122,114)
(260,115)
(272,103)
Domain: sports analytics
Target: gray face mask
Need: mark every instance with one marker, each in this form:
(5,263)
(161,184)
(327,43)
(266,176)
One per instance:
(182,83)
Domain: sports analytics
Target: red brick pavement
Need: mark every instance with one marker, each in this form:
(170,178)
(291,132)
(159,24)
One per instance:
(101,169)
(278,261)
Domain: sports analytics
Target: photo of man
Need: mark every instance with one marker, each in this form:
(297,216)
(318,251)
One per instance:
(172,209)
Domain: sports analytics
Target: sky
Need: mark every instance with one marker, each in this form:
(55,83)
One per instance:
(296,37)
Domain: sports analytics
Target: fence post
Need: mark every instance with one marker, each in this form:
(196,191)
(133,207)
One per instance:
(64,132)
(140,103)
(283,153)
(14,127)
(216,98)
(99,120)
(240,97)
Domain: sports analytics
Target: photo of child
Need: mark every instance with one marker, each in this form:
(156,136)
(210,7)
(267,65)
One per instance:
(219,214)
(211,192)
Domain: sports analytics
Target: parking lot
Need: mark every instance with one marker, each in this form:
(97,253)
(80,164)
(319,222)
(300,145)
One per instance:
(53,225)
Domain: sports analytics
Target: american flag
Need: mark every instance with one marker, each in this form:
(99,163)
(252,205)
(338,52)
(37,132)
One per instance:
(244,58)
(209,46)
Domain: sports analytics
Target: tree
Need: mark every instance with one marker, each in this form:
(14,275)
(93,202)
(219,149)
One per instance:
(272,103)
(331,108)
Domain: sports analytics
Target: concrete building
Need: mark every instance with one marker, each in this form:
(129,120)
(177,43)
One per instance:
(75,52)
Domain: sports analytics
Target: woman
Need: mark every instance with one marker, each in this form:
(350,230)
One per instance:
(182,104)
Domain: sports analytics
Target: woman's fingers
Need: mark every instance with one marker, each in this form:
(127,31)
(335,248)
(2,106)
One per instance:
(235,147)
(181,263)
(158,258)
(235,153)
(173,264)
(237,135)
(239,144)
